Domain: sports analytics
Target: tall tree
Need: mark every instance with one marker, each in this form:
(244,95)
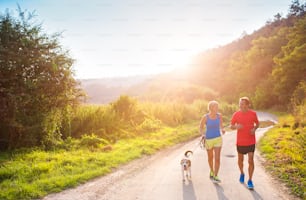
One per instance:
(290,67)
(297,9)
(36,81)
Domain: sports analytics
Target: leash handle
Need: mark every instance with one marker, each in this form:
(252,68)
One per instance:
(202,142)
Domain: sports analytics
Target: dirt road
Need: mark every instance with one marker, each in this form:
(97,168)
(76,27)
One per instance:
(159,177)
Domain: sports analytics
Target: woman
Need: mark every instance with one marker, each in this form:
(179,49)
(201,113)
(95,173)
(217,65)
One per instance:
(212,137)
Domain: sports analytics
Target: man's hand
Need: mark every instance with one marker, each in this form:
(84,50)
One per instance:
(239,126)
(236,126)
(253,130)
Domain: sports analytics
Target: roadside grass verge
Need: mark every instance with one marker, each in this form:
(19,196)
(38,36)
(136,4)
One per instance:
(34,173)
(283,147)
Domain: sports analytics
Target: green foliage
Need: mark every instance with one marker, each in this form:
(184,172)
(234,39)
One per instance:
(125,107)
(33,173)
(35,81)
(149,125)
(266,65)
(100,120)
(171,114)
(297,9)
(145,117)
(290,69)
(112,122)
(284,149)
(298,103)
(92,141)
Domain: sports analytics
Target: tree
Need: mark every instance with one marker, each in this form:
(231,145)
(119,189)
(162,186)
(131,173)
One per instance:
(290,66)
(125,107)
(297,9)
(36,82)
(298,102)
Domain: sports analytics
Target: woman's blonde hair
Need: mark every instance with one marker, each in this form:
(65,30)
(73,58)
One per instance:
(211,104)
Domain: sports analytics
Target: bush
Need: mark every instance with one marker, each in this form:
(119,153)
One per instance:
(149,125)
(92,141)
(298,103)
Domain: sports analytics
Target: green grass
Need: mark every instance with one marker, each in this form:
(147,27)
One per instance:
(284,149)
(34,173)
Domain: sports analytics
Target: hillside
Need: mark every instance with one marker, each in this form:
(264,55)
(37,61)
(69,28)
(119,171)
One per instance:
(252,65)
(267,65)
(106,90)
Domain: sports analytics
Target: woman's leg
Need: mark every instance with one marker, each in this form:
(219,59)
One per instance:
(210,155)
(217,151)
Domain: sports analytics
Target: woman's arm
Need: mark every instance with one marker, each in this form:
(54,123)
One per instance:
(202,124)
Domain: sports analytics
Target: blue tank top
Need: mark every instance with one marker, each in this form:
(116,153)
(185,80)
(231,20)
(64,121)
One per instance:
(212,127)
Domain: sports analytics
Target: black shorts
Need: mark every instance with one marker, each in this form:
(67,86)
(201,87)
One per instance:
(245,149)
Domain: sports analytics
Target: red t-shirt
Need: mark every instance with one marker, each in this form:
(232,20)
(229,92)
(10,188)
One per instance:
(247,120)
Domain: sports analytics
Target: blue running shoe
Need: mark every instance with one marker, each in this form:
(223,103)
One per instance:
(250,185)
(241,179)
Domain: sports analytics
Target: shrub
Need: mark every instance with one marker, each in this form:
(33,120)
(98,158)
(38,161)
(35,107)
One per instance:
(149,125)
(92,141)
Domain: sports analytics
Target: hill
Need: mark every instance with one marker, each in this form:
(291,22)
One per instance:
(267,65)
(106,90)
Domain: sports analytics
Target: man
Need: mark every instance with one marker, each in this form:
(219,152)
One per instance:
(245,121)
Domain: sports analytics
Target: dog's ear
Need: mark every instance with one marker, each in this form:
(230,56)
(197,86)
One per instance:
(187,153)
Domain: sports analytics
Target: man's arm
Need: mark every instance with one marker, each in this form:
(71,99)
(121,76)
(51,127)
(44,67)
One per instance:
(256,125)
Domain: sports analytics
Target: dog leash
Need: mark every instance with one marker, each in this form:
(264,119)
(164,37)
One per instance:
(201,143)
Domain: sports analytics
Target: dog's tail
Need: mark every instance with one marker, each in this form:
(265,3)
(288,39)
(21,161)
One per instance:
(188,153)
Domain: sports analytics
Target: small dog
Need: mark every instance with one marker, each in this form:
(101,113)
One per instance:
(186,165)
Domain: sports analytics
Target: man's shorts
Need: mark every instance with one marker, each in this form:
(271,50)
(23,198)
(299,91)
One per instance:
(214,142)
(245,149)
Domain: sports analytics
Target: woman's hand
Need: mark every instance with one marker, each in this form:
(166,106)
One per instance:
(203,137)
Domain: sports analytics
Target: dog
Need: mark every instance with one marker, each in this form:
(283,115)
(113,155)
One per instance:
(186,165)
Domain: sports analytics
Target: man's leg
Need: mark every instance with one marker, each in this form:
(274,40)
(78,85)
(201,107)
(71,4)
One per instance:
(251,164)
(240,162)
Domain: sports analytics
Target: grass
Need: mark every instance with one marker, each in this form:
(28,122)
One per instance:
(284,149)
(34,173)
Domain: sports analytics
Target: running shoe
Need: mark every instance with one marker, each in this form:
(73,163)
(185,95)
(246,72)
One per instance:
(211,175)
(216,179)
(250,185)
(241,179)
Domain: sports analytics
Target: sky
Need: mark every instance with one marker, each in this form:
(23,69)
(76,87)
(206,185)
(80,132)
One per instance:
(116,38)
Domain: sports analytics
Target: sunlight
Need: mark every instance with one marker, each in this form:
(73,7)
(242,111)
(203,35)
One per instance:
(128,62)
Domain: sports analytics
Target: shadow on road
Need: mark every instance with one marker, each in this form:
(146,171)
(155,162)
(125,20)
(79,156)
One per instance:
(220,192)
(188,191)
(256,196)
